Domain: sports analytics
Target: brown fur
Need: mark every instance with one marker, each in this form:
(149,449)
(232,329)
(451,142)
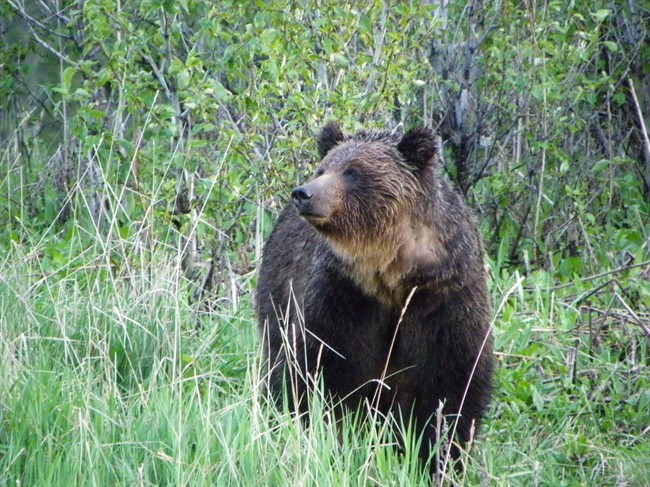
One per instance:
(376,226)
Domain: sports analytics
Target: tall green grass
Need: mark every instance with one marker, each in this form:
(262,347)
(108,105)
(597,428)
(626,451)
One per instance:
(106,380)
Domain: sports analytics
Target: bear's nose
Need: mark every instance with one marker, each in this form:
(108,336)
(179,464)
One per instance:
(302,199)
(301,194)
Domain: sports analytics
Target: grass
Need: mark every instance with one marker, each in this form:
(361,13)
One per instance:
(106,380)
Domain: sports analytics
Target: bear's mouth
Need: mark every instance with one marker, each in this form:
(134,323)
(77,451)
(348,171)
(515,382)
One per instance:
(314,219)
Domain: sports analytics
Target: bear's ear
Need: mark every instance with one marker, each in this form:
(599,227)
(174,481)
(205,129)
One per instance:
(419,147)
(328,137)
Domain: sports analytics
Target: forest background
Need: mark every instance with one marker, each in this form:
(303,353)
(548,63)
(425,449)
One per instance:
(146,147)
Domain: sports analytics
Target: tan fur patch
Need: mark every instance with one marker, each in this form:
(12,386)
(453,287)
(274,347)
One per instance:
(381,265)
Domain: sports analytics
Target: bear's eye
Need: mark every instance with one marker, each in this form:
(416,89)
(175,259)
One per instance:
(351,173)
(319,172)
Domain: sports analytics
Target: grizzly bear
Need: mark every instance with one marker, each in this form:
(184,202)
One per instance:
(373,282)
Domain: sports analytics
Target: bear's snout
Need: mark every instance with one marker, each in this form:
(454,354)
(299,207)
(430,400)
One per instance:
(301,197)
(317,200)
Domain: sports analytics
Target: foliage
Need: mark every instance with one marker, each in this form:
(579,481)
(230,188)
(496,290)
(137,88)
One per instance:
(232,93)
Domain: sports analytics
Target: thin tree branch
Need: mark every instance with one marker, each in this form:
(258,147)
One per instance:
(596,276)
(644,132)
(29,20)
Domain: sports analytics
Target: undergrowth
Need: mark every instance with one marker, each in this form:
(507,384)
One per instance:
(112,376)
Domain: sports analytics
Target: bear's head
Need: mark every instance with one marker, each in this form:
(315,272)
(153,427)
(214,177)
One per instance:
(366,183)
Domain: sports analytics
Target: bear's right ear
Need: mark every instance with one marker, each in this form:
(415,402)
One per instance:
(419,147)
(328,137)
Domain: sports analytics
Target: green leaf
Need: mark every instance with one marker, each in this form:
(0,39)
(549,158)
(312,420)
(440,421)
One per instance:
(601,15)
(220,92)
(601,165)
(68,75)
(619,99)
(96,113)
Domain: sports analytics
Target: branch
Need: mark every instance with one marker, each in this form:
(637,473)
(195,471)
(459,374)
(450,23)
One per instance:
(596,276)
(159,75)
(57,14)
(644,131)
(379,44)
(635,319)
(29,20)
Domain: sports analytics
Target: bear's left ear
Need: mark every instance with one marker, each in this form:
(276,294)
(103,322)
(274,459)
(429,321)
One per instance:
(328,137)
(419,147)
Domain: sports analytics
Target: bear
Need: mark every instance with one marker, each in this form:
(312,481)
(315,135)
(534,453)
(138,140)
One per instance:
(373,282)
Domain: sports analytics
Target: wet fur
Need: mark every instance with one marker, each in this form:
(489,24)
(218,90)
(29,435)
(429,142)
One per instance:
(351,272)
